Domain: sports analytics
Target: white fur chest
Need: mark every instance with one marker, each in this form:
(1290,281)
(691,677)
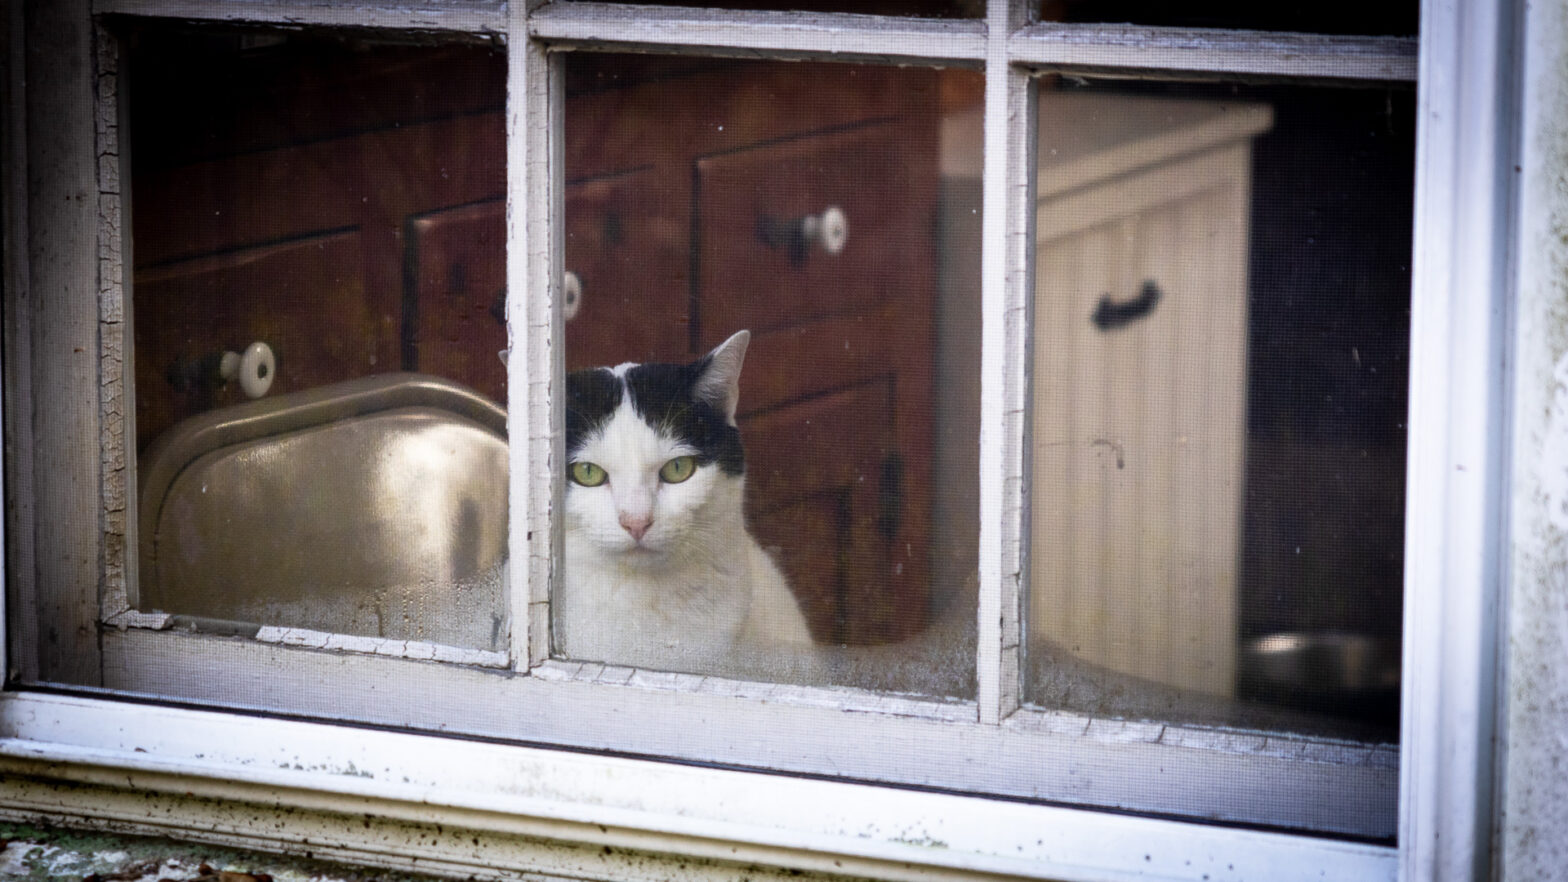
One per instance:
(686,616)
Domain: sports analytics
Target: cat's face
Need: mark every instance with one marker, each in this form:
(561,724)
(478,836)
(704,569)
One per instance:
(654,461)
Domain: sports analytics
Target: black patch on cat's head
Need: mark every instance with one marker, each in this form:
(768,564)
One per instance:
(665,396)
(591,396)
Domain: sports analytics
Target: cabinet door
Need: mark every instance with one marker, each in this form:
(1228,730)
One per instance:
(818,512)
(836,394)
(1139,419)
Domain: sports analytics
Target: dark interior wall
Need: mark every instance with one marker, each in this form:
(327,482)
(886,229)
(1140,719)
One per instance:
(1329,343)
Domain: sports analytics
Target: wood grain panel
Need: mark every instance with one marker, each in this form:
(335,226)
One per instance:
(627,112)
(454,320)
(628,240)
(372,180)
(825,500)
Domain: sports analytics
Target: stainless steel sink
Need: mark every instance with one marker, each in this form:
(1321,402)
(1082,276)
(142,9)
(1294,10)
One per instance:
(373,507)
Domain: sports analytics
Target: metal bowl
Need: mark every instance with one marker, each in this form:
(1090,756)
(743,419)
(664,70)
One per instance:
(1342,673)
(1325,661)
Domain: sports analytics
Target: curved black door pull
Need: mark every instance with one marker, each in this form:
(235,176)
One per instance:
(1109,315)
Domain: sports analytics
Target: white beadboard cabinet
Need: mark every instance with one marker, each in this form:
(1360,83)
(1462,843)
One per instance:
(1139,398)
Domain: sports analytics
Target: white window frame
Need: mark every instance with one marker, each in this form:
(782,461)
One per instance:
(1456,486)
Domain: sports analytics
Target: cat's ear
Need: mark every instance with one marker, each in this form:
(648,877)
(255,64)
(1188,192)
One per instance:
(719,382)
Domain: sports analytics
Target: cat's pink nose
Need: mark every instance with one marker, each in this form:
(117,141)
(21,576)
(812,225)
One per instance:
(636,525)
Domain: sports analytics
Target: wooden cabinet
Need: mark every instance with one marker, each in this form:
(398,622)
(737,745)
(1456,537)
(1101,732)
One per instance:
(759,270)
(839,410)
(628,246)
(686,181)
(305,298)
(1141,382)
(454,310)
(303,247)
(836,396)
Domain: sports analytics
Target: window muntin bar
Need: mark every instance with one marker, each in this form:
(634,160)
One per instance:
(470,16)
(1161,51)
(1330,17)
(841,36)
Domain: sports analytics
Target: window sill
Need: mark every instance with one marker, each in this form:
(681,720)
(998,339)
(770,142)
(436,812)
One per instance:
(425,803)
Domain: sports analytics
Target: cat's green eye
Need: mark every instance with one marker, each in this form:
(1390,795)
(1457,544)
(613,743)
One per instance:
(588,474)
(678,469)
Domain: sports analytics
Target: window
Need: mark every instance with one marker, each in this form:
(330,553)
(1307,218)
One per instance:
(1092,253)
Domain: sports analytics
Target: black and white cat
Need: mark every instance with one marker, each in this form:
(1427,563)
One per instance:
(660,571)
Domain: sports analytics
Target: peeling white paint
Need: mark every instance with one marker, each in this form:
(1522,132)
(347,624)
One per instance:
(381,646)
(131,618)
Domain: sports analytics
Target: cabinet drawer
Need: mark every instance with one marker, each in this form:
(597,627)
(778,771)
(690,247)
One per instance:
(628,244)
(452,326)
(758,271)
(371,181)
(305,299)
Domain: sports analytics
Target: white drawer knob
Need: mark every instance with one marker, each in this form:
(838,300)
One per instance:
(830,229)
(254,368)
(571,295)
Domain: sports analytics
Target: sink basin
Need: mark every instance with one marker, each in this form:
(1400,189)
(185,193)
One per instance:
(374,507)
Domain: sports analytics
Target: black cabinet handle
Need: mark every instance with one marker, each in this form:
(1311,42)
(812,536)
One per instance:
(890,518)
(1110,315)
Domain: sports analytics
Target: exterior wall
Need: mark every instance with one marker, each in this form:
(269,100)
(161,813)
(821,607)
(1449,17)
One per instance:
(1534,764)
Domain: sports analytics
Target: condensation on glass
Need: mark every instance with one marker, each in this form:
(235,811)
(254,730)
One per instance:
(318,424)
(831,211)
(1221,314)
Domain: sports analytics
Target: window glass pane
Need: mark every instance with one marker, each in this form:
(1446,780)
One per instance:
(802,238)
(1335,17)
(1221,332)
(316,294)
